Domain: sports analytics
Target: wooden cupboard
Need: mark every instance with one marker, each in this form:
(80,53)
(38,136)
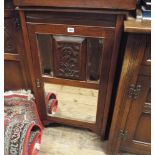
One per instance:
(80,51)
(16,75)
(131,125)
(79,47)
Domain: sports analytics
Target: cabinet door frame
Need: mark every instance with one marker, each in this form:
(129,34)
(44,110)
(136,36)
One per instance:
(112,36)
(82,31)
(133,58)
(136,110)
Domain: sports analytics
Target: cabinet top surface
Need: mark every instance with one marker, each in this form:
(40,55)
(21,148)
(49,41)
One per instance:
(134,26)
(96,4)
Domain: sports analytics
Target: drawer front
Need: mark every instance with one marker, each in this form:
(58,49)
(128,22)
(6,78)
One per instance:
(72,30)
(115,4)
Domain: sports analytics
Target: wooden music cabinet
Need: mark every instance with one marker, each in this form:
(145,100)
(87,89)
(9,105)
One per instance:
(70,48)
(77,50)
(15,64)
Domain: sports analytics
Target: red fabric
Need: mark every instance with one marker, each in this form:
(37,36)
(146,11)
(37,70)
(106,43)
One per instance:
(37,139)
(23,128)
(51,103)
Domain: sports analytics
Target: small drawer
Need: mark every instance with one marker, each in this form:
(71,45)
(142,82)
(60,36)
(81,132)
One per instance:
(71,18)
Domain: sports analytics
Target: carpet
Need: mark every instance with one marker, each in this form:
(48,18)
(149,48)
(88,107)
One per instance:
(22,126)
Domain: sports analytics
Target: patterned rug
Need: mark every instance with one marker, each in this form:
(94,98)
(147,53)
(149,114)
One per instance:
(23,128)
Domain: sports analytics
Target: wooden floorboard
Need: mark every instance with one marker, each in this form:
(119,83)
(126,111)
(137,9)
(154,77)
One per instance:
(64,140)
(70,141)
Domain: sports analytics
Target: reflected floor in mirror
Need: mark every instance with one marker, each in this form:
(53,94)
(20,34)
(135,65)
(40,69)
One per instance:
(74,103)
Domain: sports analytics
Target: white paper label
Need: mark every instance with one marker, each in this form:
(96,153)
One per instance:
(70,29)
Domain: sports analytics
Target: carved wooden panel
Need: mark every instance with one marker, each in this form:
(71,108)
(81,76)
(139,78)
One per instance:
(143,130)
(9,40)
(138,123)
(69,57)
(15,64)
(8,4)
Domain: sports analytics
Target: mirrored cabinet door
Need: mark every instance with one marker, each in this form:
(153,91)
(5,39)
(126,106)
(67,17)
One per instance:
(71,66)
(71,58)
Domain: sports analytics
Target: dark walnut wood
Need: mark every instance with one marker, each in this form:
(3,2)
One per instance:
(8,5)
(114,4)
(16,75)
(13,76)
(9,41)
(138,123)
(131,124)
(71,41)
(76,43)
(68,55)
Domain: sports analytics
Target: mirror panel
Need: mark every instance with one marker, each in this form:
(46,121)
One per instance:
(94,57)
(74,103)
(45,53)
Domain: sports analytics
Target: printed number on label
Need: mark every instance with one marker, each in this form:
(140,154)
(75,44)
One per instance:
(70,29)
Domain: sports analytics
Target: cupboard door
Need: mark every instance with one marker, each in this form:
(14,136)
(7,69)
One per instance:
(72,61)
(138,125)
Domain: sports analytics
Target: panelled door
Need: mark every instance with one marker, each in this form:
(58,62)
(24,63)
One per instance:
(72,61)
(138,124)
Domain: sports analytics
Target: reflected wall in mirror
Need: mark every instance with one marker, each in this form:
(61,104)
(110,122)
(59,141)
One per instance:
(94,57)
(45,53)
(74,103)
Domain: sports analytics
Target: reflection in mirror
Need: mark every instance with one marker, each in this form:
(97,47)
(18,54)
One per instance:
(74,103)
(94,45)
(46,56)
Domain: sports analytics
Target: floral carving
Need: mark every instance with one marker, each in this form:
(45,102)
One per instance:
(11,28)
(68,54)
